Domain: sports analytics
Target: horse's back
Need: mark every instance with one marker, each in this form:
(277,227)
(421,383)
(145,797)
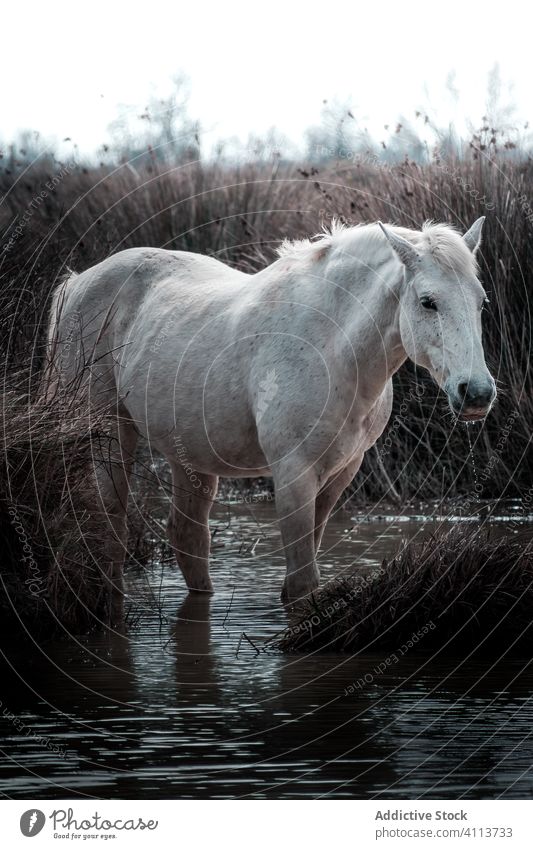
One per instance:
(134,272)
(93,312)
(120,283)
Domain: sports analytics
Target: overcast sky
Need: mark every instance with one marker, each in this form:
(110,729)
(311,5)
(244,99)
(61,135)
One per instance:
(65,67)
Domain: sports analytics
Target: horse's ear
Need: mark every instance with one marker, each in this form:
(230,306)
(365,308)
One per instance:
(404,249)
(472,238)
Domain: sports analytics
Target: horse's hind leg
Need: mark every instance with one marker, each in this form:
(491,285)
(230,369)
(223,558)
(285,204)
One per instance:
(188,525)
(113,467)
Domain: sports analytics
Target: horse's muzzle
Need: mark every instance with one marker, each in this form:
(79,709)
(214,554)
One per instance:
(472,399)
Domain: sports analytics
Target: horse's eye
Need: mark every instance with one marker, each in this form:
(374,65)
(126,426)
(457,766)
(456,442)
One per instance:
(428,303)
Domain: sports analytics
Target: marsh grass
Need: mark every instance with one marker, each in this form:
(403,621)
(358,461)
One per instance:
(52,531)
(457,591)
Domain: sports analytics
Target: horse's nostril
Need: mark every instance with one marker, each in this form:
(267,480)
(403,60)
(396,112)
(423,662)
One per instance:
(474,393)
(462,389)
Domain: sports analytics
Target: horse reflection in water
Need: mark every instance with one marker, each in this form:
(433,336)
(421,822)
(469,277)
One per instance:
(286,372)
(293,729)
(331,725)
(196,675)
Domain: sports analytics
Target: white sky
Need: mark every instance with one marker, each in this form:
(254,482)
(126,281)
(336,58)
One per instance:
(66,66)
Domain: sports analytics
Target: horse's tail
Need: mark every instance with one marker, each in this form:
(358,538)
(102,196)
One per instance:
(51,372)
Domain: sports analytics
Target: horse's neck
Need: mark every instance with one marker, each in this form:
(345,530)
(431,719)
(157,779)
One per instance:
(372,338)
(359,301)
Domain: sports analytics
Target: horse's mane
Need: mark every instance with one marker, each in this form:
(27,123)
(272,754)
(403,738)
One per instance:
(442,241)
(315,247)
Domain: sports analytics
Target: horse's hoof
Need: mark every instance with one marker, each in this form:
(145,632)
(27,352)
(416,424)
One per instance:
(298,594)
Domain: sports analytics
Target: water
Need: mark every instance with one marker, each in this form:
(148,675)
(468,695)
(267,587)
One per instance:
(184,707)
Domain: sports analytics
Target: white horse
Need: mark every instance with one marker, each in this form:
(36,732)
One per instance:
(285,373)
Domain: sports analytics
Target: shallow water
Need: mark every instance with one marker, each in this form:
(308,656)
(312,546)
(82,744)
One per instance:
(184,706)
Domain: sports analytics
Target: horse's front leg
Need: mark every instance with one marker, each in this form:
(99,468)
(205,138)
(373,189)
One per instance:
(295,506)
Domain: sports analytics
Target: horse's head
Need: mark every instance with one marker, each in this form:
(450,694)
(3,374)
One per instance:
(441,301)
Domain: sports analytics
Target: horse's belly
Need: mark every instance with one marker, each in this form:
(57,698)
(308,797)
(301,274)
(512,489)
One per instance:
(229,455)
(228,448)
(215,441)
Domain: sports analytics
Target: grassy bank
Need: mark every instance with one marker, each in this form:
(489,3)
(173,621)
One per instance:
(456,592)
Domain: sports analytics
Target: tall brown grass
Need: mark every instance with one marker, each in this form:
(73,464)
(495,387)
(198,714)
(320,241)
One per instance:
(52,534)
(239,214)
